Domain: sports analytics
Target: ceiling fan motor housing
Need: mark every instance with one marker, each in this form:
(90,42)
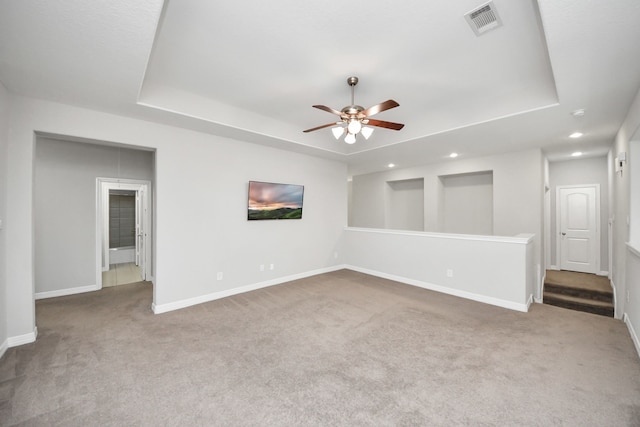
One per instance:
(352,110)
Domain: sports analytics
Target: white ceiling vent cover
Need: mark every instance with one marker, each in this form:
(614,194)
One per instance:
(483,18)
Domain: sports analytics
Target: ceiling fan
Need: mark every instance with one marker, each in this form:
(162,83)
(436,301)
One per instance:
(353,118)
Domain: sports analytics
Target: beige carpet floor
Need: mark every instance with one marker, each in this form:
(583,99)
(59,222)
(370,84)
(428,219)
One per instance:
(339,349)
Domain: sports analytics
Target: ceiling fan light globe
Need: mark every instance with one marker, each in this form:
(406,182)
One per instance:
(350,138)
(366,131)
(354,126)
(337,131)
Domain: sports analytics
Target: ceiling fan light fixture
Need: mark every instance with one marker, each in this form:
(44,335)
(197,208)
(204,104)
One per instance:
(366,131)
(350,138)
(353,117)
(337,131)
(354,126)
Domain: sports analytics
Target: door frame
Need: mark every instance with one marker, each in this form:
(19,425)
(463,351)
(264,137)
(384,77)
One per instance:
(597,252)
(103,185)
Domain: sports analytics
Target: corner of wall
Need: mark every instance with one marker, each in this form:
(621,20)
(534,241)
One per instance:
(3,348)
(4,117)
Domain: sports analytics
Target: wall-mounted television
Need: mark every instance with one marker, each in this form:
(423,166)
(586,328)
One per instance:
(268,200)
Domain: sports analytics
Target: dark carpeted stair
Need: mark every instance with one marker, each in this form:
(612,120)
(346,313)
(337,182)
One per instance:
(579,291)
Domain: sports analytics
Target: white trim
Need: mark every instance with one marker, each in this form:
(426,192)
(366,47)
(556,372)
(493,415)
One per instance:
(554,267)
(633,249)
(529,302)
(176,305)
(521,239)
(540,283)
(68,291)
(449,291)
(616,309)
(603,273)
(23,339)
(632,332)
(541,299)
(4,347)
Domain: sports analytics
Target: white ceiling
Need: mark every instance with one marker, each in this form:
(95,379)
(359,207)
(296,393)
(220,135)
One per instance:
(252,69)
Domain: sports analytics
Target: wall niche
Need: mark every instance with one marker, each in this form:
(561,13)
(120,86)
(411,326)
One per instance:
(405,205)
(466,203)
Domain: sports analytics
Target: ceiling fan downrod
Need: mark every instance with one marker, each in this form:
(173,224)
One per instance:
(352,81)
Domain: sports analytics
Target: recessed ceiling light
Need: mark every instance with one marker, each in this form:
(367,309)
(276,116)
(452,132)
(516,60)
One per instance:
(576,154)
(578,113)
(576,135)
(453,155)
(391,165)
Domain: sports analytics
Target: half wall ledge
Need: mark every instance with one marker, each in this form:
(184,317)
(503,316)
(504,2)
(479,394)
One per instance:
(496,270)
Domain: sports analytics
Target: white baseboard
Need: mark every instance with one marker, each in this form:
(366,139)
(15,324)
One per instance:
(603,273)
(529,302)
(68,291)
(176,305)
(632,332)
(3,348)
(554,267)
(23,339)
(449,291)
(538,300)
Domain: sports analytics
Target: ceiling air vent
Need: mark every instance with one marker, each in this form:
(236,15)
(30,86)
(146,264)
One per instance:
(483,18)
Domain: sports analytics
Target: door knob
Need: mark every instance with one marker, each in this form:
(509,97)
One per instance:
(564,234)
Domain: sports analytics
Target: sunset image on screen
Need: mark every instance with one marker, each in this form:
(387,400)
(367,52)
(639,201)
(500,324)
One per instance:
(275,201)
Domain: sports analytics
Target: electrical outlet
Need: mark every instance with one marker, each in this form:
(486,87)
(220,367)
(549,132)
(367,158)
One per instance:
(449,273)
(261,267)
(219,276)
(272,267)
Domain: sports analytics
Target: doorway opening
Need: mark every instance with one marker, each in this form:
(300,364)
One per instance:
(123,231)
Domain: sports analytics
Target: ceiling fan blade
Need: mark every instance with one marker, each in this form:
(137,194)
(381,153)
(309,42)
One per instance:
(328,109)
(320,127)
(383,106)
(383,124)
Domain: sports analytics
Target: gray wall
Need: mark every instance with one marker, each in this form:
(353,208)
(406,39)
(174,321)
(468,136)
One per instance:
(65,206)
(632,168)
(517,194)
(625,274)
(467,203)
(577,172)
(4,113)
(405,205)
(201,181)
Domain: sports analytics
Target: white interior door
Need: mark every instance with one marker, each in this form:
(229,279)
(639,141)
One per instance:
(578,237)
(141,230)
